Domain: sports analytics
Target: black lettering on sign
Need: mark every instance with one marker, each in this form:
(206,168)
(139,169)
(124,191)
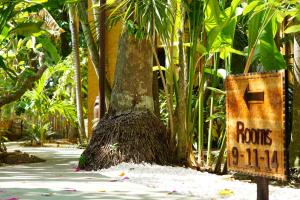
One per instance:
(249,156)
(267,152)
(268,140)
(275,160)
(252,135)
(240,131)
(256,158)
(235,155)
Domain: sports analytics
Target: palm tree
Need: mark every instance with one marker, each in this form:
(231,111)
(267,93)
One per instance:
(130,131)
(91,42)
(294,146)
(77,77)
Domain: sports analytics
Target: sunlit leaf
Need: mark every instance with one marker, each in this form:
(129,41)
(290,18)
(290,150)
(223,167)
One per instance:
(157,68)
(226,193)
(250,7)
(36,1)
(27,28)
(50,48)
(292,29)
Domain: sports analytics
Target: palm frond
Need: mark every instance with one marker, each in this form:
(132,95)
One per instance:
(147,16)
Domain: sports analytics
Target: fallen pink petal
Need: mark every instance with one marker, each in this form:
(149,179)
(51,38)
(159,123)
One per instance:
(12,198)
(76,169)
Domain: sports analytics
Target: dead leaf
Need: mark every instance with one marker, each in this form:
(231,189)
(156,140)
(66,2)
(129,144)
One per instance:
(122,174)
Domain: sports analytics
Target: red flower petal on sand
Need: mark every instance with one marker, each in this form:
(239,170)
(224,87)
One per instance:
(76,169)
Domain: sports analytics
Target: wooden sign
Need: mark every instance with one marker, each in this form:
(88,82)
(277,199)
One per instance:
(255,105)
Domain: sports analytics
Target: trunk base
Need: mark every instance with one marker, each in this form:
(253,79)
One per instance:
(136,136)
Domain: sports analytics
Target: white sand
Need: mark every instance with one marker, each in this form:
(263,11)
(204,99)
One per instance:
(57,179)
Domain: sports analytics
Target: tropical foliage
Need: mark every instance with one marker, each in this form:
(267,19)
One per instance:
(203,42)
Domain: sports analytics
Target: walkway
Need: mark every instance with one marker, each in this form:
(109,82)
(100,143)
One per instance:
(58,179)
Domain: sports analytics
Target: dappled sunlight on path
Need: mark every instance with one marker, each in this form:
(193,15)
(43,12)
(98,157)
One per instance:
(58,179)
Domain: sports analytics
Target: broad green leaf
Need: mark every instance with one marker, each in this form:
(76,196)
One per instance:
(250,7)
(212,35)
(50,48)
(235,51)
(224,53)
(200,48)
(27,28)
(234,5)
(280,16)
(269,54)
(29,44)
(260,8)
(212,15)
(254,25)
(225,38)
(4,33)
(214,9)
(292,29)
(223,34)
(212,72)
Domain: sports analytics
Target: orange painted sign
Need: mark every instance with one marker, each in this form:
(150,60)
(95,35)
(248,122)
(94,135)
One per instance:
(255,111)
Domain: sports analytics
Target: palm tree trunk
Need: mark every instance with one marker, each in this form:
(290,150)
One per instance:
(294,145)
(91,44)
(77,76)
(130,132)
(133,76)
(180,113)
(102,56)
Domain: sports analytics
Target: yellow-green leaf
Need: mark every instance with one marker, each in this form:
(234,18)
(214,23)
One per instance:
(37,1)
(226,192)
(157,68)
(292,29)
(251,7)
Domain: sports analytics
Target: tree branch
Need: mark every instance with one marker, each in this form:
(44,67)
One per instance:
(26,84)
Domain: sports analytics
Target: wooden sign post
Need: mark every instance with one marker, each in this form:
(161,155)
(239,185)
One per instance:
(256,107)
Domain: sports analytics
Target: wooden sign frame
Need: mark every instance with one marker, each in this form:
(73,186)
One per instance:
(243,101)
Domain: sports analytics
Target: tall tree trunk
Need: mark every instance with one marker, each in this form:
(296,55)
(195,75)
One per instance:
(102,55)
(295,142)
(180,113)
(130,132)
(77,76)
(91,44)
(133,76)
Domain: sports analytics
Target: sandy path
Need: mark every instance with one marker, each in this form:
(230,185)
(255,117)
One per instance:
(57,179)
